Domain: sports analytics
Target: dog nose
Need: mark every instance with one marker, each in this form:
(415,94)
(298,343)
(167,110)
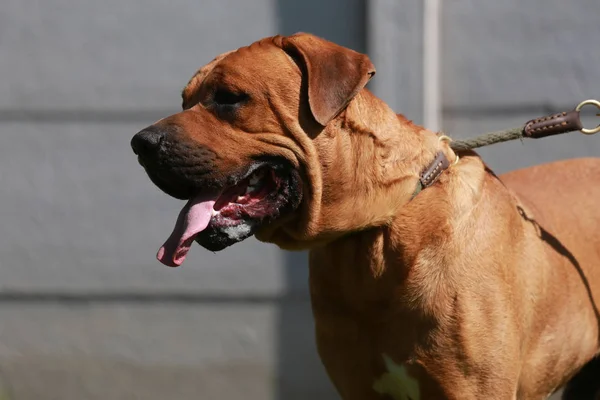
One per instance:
(147,140)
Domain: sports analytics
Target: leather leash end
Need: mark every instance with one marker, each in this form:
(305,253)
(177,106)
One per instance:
(559,123)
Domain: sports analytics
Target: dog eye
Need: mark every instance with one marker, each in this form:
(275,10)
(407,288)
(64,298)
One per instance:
(225,97)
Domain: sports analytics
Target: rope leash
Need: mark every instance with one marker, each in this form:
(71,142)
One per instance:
(534,129)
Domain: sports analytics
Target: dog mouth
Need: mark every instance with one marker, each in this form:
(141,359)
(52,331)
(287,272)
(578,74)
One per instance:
(220,218)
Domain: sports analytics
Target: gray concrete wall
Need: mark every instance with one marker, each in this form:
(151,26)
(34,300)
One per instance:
(511,61)
(86,312)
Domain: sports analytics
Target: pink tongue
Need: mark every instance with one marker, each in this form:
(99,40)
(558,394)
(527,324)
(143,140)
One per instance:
(193,219)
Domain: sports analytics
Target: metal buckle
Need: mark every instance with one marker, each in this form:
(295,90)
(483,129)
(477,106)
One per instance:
(592,102)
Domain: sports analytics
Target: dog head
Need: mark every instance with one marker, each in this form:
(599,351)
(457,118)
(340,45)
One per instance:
(249,152)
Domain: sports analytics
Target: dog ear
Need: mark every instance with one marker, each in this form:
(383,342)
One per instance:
(335,74)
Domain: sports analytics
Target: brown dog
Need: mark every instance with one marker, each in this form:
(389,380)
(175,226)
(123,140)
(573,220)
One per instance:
(473,288)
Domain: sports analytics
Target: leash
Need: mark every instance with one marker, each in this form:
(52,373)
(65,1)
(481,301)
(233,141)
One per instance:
(555,124)
(538,128)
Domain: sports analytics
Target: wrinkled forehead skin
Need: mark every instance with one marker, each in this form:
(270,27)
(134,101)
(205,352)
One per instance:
(263,70)
(267,74)
(189,92)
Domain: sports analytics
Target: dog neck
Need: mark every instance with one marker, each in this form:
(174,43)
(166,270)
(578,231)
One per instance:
(390,234)
(369,164)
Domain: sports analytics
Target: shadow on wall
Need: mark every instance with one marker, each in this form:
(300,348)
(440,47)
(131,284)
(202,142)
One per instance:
(300,373)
